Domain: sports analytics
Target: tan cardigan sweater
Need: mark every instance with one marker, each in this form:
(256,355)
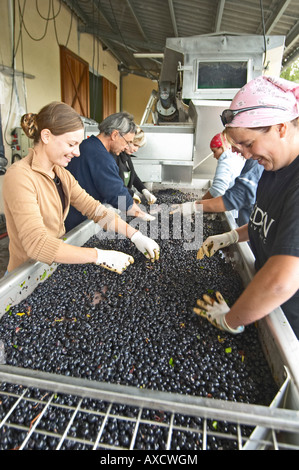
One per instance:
(33,210)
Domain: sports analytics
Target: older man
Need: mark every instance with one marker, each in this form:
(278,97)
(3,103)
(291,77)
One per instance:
(96,169)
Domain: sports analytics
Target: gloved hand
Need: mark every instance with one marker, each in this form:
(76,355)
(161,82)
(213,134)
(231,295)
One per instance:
(145,216)
(186,209)
(147,246)
(136,198)
(114,209)
(113,260)
(151,199)
(216,242)
(215,312)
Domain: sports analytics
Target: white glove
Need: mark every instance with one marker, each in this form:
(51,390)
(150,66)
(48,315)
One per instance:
(147,246)
(145,216)
(111,208)
(136,198)
(151,199)
(113,260)
(216,242)
(215,312)
(186,209)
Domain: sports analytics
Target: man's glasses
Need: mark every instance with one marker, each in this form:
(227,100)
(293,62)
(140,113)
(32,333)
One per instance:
(228,114)
(129,144)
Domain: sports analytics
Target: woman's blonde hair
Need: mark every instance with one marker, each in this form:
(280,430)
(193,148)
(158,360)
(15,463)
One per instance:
(227,145)
(58,117)
(139,138)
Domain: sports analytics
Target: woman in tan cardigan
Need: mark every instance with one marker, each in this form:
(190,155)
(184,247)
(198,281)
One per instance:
(38,191)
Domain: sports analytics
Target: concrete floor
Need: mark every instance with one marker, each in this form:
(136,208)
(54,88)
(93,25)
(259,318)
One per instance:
(3,255)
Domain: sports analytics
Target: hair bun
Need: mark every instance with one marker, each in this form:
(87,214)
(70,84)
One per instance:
(29,124)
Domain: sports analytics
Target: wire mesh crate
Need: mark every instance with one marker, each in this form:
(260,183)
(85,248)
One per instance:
(56,413)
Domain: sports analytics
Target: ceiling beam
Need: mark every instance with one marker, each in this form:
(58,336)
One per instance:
(103,15)
(276,15)
(132,42)
(219,15)
(173,18)
(290,42)
(292,36)
(73,6)
(129,3)
(116,40)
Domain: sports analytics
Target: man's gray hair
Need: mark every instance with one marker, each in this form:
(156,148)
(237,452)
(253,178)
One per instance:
(122,122)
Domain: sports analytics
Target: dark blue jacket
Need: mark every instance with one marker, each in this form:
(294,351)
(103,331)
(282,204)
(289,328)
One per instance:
(241,196)
(97,173)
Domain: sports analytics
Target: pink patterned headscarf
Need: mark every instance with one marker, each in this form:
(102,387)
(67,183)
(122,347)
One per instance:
(265,90)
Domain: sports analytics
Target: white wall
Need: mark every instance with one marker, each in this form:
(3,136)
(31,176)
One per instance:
(37,55)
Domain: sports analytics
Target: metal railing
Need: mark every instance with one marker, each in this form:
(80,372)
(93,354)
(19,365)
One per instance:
(45,411)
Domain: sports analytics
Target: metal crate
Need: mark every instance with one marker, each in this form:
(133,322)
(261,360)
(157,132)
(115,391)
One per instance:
(211,424)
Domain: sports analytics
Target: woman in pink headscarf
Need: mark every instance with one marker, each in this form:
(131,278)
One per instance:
(262,123)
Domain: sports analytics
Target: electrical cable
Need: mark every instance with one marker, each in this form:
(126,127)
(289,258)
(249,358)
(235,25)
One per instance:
(23,22)
(47,18)
(23,68)
(55,29)
(19,43)
(13,74)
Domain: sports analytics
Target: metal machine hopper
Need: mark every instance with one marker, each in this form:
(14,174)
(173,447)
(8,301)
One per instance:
(199,77)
